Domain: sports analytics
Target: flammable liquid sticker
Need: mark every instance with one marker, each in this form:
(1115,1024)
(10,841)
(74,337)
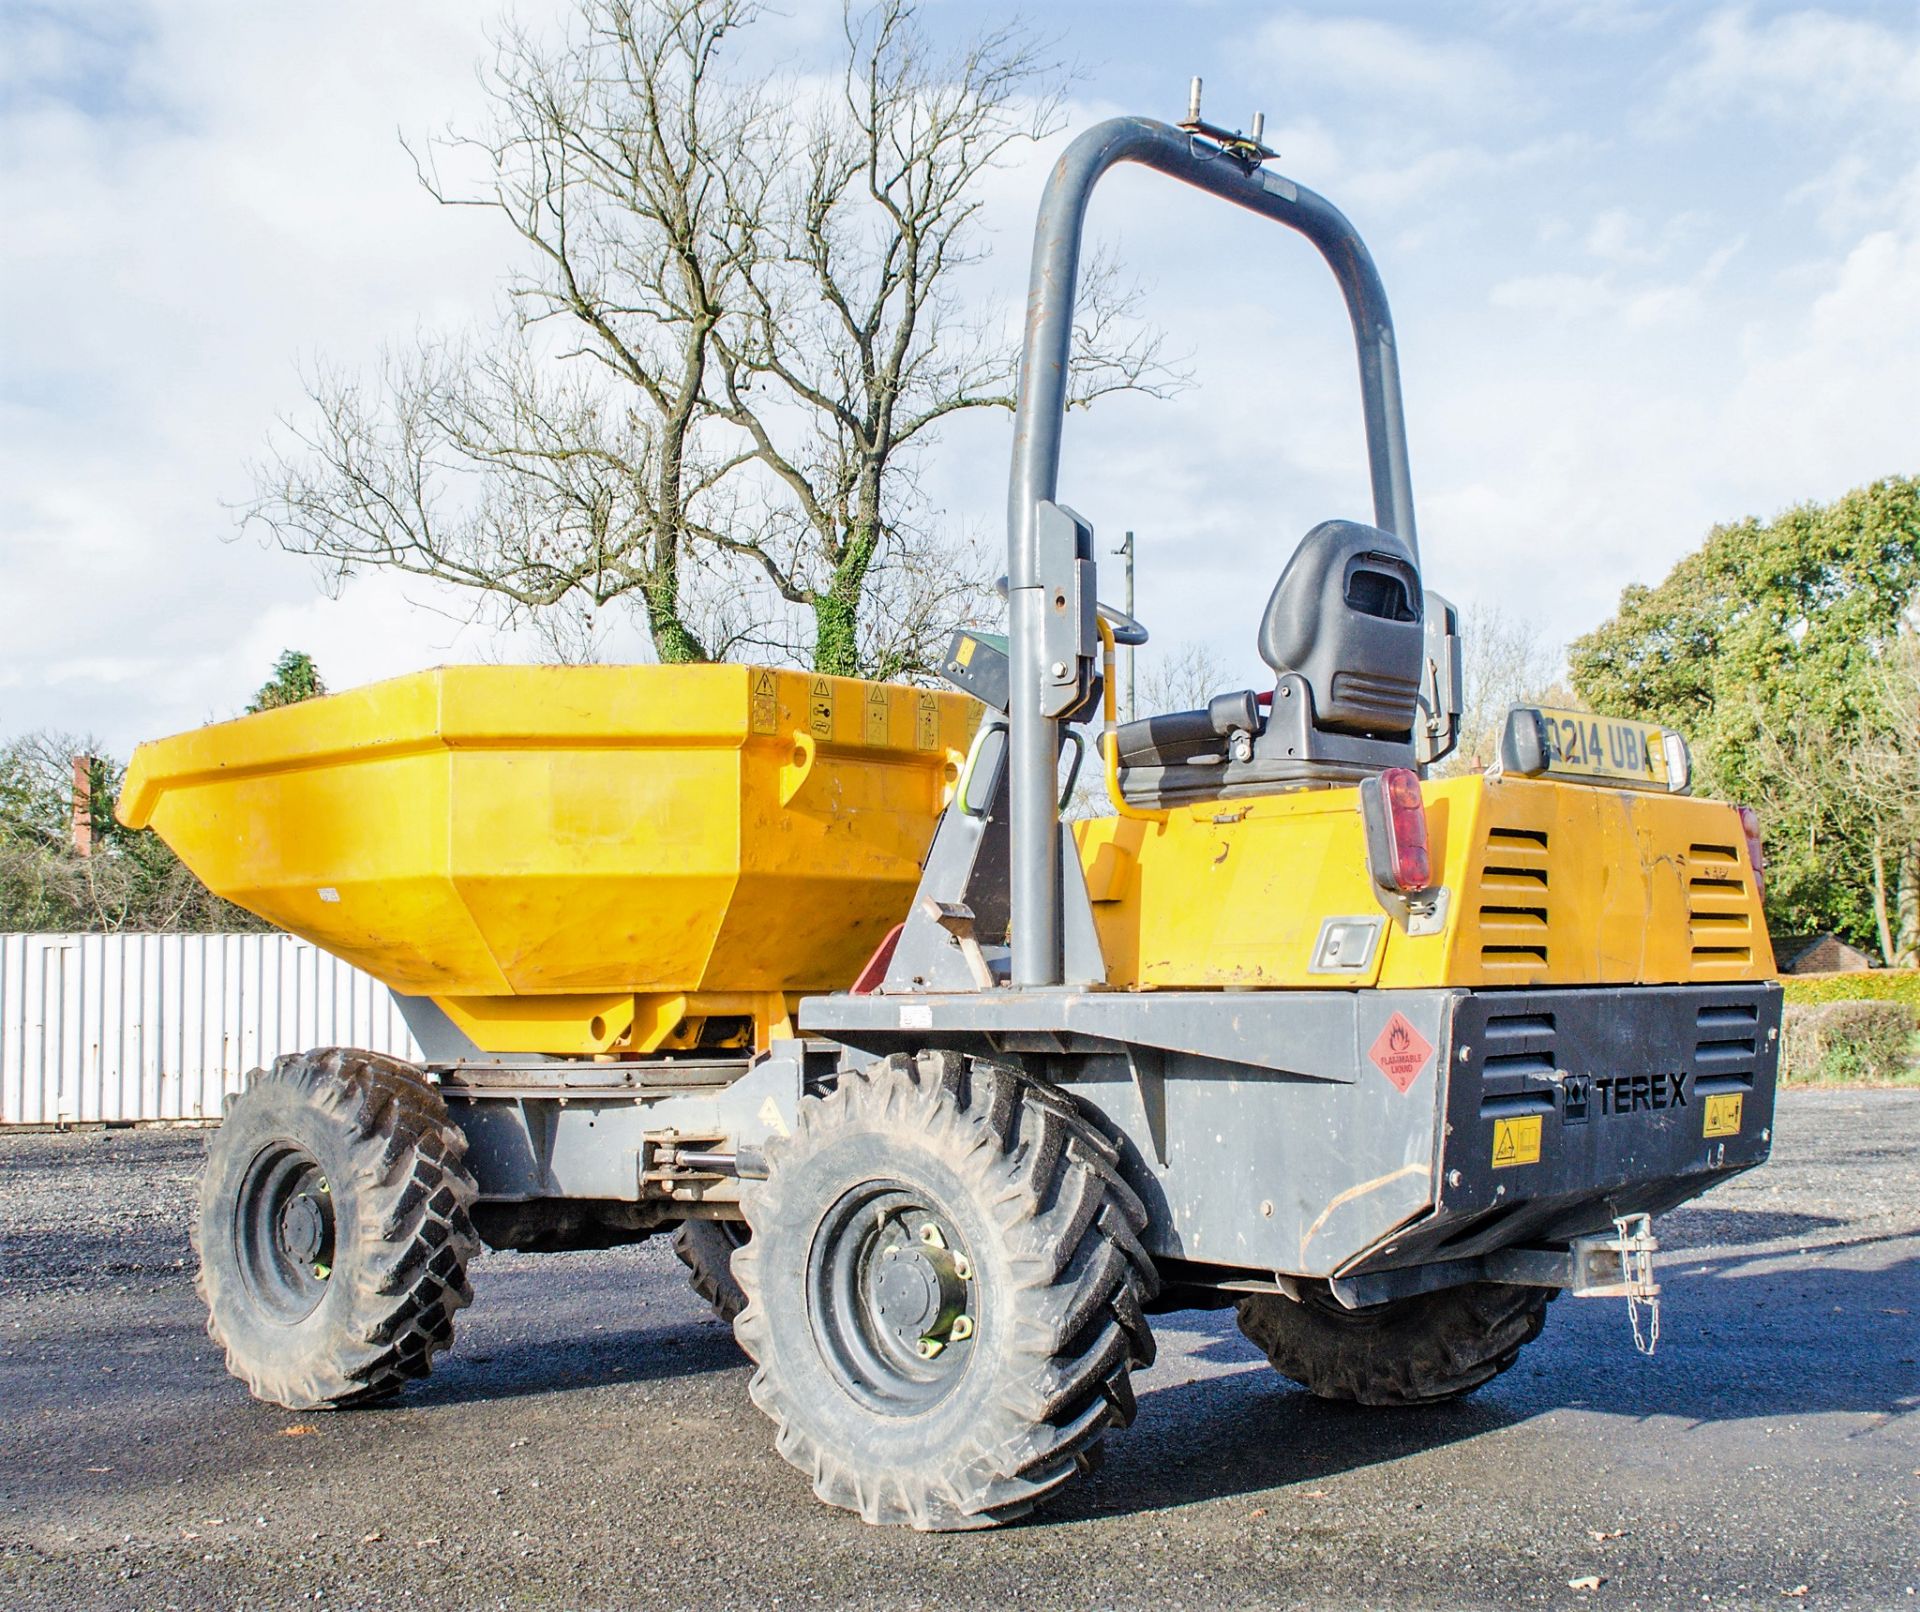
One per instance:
(1401,1052)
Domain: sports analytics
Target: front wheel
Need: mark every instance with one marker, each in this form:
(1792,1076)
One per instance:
(333,1230)
(944,1293)
(1411,1351)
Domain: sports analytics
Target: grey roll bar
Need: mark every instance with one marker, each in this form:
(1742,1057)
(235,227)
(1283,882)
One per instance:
(1036,895)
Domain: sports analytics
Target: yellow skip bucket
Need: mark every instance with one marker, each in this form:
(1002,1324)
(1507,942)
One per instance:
(575,859)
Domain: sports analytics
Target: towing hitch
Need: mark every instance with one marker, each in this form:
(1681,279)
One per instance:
(1619,1266)
(1601,1267)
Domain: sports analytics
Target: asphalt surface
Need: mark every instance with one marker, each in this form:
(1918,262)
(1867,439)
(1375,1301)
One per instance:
(590,1442)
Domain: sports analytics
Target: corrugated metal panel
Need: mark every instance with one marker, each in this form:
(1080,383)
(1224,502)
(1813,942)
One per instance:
(133,1027)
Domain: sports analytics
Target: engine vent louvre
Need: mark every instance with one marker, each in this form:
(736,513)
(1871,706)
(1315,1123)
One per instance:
(1726,1045)
(1719,912)
(1517,1059)
(1514,903)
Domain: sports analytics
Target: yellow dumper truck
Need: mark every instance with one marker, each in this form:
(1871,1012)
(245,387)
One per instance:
(941,1096)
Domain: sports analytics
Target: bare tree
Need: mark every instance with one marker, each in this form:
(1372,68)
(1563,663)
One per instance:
(855,326)
(1504,662)
(566,461)
(1181,678)
(738,330)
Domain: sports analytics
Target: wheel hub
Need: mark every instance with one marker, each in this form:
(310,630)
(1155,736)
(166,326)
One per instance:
(893,1293)
(302,1229)
(919,1292)
(284,1232)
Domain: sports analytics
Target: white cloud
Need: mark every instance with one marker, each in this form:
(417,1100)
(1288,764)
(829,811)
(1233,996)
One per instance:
(1386,62)
(1806,66)
(1613,294)
(188,212)
(1612,338)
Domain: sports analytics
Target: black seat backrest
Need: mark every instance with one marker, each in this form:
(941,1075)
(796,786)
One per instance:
(1346,617)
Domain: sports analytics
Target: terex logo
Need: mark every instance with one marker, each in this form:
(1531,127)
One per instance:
(1633,1094)
(1576,1093)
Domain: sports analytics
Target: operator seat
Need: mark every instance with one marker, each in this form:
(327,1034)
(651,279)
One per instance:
(1344,632)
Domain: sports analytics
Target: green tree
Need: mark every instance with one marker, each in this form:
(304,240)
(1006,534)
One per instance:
(295,678)
(1769,647)
(130,881)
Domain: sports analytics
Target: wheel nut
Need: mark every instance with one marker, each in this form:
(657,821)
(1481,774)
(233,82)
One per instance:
(961,1330)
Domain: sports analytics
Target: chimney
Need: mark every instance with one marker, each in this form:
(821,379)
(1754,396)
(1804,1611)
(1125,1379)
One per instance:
(83,805)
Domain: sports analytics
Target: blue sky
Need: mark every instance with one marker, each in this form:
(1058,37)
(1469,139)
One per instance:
(1651,267)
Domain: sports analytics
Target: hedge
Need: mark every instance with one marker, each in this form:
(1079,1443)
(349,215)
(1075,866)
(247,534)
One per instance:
(1874,985)
(1851,1043)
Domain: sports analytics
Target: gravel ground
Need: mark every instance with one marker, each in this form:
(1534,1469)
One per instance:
(590,1442)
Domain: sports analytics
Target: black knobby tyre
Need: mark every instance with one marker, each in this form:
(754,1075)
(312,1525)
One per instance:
(333,1232)
(995,1207)
(706,1248)
(1412,1351)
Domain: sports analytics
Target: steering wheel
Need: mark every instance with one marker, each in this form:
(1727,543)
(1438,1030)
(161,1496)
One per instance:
(1125,629)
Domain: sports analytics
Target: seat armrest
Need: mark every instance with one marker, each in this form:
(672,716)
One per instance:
(1234,713)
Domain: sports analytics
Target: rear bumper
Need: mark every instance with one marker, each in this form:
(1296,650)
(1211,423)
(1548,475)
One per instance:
(1565,1109)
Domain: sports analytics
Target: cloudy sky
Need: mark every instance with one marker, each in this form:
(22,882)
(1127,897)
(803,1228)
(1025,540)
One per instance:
(1652,267)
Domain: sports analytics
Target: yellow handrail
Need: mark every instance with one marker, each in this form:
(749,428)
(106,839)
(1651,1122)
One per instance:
(1110,738)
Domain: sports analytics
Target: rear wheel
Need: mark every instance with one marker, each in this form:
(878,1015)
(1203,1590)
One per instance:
(333,1230)
(706,1248)
(944,1293)
(1411,1351)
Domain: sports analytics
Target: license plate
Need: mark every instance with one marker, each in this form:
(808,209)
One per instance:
(1582,745)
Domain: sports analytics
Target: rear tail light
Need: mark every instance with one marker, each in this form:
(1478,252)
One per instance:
(1396,819)
(1756,854)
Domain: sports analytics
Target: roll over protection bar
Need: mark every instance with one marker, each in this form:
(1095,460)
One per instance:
(1042,572)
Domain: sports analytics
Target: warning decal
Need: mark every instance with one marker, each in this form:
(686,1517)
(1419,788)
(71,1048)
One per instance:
(1401,1052)
(876,715)
(1516,1141)
(766,709)
(926,721)
(820,708)
(1722,1116)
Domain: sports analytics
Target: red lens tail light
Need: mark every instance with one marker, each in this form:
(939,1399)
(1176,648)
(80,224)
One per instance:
(1409,865)
(1756,853)
(1397,830)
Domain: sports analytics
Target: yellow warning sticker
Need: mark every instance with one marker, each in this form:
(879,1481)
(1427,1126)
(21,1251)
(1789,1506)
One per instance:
(926,721)
(766,706)
(1516,1141)
(964,654)
(820,708)
(876,715)
(1723,1114)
